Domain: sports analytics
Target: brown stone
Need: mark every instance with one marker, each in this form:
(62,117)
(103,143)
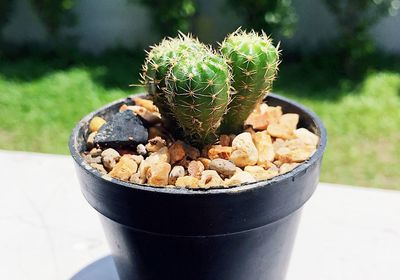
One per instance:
(177,151)
(110,158)
(224,140)
(96,123)
(205,162)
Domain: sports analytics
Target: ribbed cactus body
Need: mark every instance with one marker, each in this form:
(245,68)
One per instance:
(157,64)
(254,61)
(198,94)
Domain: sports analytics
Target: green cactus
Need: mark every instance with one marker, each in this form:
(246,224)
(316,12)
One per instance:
(198,92)
(254,61)
(157,65)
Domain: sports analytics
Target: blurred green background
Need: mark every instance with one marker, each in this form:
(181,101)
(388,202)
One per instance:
(59,60)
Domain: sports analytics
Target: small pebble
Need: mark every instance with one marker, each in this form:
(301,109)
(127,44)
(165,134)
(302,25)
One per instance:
(222,166)
(306,136)
(110,158)
(137,158)
(272,114)
(240,178)
(148,104)
(90,139)
(195,168)
(176,172)
(91,159)
(280,131)
(95,152)
(141,149)
(289,120)
(264,147)
(135,178)
(205,162)
(99,167)
(210,178)
(218,151)
(259,173)
(177,151)
(124,169)
(191,152)
(157,173)
(224,140)
(187,181)
(286,167)
(96,123)
(155,144)
(244,152)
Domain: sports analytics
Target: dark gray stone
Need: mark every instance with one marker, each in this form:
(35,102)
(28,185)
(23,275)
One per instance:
(124,130)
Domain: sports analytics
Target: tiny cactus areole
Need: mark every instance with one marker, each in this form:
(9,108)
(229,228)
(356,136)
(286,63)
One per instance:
(254,61)
(157,65)
(198,91)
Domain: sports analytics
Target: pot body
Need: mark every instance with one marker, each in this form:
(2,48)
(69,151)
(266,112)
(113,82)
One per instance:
(244,232)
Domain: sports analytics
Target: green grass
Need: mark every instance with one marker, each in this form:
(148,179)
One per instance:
(41,99)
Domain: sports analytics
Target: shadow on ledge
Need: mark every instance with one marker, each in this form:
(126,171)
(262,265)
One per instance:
(102,269)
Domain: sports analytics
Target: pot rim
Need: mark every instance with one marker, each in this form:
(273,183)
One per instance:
(75,153)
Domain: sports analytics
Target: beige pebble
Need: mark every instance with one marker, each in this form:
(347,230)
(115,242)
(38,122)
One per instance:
(289,120)
(92,159)
(155,144)
(98,167)
(224,140)
(244,152)
(272,114)
(96,123)
(161,155)
(287,155)
(240,178)
(266,153)
(148,104)
(187,181)
(257,121)
(157,174)
(306,136)
(176,172)
(110,158)
(280,131)
(95,152)
(286,167)
(223,167)
(210,178)
(205,162)
(195,168)
(137,158)
(124,169)
(135,178)
(218,151)
(177,151)
(150,117)
(260,173)
(90,139)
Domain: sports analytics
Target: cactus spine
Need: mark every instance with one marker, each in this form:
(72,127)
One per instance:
(156,67)
(254,61)
(198,93)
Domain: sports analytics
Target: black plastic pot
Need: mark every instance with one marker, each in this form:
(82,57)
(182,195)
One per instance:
(240,233)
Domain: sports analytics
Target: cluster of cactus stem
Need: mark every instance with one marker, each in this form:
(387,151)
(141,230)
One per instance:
(205,92)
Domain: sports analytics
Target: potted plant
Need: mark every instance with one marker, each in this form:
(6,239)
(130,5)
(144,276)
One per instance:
(207,220)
